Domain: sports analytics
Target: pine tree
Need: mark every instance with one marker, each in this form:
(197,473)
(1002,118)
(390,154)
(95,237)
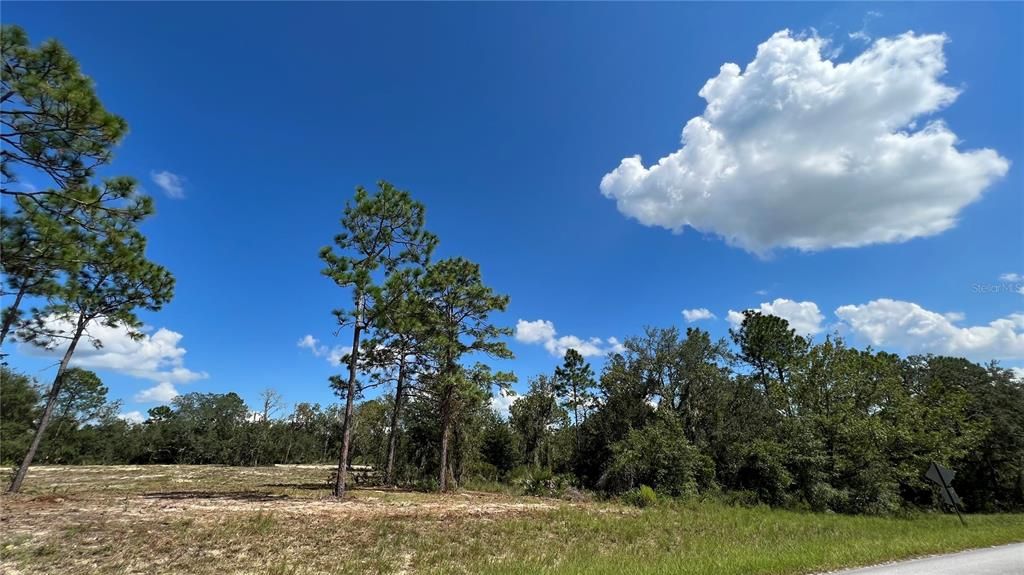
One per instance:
(456,323)
(384,234)
(113,281)
(574,381)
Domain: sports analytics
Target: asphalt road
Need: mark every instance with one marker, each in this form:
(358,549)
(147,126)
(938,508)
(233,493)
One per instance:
(1003,560)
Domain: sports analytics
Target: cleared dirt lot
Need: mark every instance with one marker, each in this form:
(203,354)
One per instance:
(146,519)
(282,520)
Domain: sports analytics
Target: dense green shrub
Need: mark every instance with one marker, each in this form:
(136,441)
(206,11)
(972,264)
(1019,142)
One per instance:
(542,482)
(658,456)
(641,497)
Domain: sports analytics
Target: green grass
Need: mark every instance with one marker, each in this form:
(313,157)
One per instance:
(218,520)
(712,538)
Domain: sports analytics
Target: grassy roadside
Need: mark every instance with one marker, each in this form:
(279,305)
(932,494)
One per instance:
(279,521)
(711,538)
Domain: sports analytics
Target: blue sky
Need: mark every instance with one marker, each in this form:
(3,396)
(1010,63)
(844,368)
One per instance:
(259,120)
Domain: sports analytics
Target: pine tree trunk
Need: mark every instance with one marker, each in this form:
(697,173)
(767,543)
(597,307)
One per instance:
(576,420)
(51,402)
(389,473)
(346,426)
(9,320)
(445,432)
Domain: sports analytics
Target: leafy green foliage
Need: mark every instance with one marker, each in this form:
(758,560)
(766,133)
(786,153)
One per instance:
(659,456)
(53,121)
(18,410)
(641,497)
(381,232)
(535,419)
(497,445)
(55,126)
(772,349)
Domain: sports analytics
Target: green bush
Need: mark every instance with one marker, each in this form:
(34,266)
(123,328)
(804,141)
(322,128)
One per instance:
(543,482)
(659,456)
(763,471)
(641,497)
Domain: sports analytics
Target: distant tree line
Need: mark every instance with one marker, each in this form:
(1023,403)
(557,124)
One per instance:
(766,418)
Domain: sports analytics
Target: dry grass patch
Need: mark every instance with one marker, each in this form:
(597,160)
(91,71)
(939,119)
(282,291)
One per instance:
(282,520)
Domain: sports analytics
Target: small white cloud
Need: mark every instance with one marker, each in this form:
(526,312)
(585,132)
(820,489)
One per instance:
(333,355)
(911,328)
(162,392)
(337,353)
(861,35)
(761,292)
(803,316)
(502,402)
(615,346)
(698,314)
(311,343)
(587,348)
(798,151)
(156,355)
(543,332)
(132,416)
(1011,277)
(172,184)
(536,331)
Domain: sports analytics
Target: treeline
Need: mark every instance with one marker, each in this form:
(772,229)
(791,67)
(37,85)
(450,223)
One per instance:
(197,428)
(767,417)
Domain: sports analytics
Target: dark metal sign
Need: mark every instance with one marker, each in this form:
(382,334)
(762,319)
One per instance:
(944,479)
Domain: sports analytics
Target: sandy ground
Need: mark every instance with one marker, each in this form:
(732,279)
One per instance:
(58,496)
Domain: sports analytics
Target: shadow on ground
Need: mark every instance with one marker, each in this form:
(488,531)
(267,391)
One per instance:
(308,486)
(327,487)
(236,495)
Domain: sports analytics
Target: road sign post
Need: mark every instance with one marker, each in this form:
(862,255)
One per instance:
(944,479)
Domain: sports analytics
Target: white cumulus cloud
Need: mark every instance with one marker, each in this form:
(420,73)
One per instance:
(911,328)
(132,416)
(803,316)
(502,402)
(333,355)
(543,332)
(537,331)
(156,355)
(798,151)
(172,184)
(698,314)
(162,392)
(1011,277)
